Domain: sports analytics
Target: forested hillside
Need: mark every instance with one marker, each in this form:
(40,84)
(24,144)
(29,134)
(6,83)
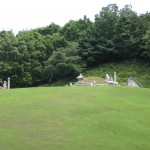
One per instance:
(48,54)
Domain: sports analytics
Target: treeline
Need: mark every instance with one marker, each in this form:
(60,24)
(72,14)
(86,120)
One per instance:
(48,54)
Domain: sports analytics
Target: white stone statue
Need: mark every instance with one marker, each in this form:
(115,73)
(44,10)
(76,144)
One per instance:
(5,85)
(110,80)
(107,77)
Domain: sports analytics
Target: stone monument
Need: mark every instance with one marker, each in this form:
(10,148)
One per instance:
(5,85)
(115,77)
(133,82)
(8,83)
(109,80)
(80,79)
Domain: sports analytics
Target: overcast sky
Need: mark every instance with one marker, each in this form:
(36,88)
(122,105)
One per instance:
(20,15)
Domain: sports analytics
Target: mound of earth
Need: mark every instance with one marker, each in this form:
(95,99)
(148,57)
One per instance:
(98,80)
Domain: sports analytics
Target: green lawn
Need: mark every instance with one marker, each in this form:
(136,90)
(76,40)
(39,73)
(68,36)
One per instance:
(75,118)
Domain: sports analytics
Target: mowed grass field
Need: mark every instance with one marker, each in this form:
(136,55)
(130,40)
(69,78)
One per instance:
(75,118)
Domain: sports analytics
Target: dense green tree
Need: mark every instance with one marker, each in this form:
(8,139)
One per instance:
(8,46)
(73,30)
(9,55)
(106,20)
(33,51)
(126,38)
(146,52)
(49,30)
(97,44)
(63,63)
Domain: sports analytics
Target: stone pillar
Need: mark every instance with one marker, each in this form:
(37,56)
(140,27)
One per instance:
(8,83)
(115,77)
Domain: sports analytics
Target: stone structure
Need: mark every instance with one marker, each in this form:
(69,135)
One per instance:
(80,79)
(109,80)
(8,83)
(81,82)
(132,82)
(115,77)
(5,85)
(94,82)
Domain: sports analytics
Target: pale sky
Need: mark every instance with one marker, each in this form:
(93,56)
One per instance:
(19,15)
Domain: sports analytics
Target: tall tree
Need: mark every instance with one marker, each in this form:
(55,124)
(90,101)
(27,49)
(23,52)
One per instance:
(49,30)
(146,52)
(97,44)
(126,39)
(73,30)
(63,63)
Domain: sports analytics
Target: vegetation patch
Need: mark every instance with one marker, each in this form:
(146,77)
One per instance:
(138,70)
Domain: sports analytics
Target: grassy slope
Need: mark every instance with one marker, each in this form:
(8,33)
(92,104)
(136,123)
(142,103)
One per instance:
(138,70)
(75,118)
